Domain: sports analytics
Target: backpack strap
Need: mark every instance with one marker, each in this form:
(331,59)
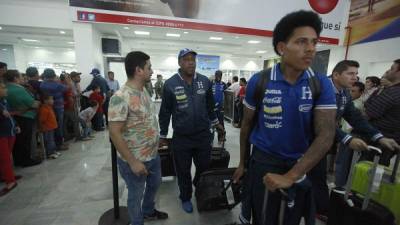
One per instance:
(260,89)
(315,85)
(264,77)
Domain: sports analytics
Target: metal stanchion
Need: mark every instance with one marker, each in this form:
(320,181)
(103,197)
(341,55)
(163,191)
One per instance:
(119,214)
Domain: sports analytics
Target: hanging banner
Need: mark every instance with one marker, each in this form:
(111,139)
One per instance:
(253,17)
(374,20)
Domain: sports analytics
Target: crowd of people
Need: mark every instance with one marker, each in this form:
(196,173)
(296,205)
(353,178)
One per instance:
(46,110)
(291,116)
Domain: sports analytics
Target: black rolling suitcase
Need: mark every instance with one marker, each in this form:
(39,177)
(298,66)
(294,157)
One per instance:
(219,157)
(354,209)
(215,190)
(167,160)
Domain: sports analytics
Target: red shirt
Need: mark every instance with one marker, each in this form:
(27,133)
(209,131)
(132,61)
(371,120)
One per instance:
(242,92)
(69,100)
(99,99)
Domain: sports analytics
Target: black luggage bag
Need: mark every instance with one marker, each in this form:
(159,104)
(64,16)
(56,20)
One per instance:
(215,190)
(354,209)
(219,157)
(167,160)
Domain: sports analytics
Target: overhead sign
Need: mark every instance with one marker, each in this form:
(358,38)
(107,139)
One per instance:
(207,64)
(255,17)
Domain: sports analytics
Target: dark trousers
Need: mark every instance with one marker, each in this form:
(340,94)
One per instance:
(220,115)
(317,176)
(97,121)
(262,163)
(59,132)
(187,148)
(235,113)
(71,125)
(105,108)
(23,143)
(240,113)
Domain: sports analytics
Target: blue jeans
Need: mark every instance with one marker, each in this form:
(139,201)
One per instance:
(86,129)
(141,188)
(59,132)
(342,165)
(49,143)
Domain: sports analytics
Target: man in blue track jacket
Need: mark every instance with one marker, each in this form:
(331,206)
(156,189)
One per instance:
(188,98)
(344,75)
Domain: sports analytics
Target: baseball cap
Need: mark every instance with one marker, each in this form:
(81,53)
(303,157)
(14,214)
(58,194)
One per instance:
(95,71)
(49,73)
(74,74)
(186,51)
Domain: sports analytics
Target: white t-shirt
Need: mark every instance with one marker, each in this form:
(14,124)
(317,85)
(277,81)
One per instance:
(235,87)
(87,114)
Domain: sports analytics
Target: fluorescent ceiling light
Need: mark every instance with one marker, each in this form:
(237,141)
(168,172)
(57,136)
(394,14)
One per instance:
(4,49)
(29,40)
(172,35)
(216,38)
(1,28)
(253,42)
(185,32)
(236,37)
(138,32)
(62,32)
(71,42)
(126,28)
(261,52)
(36,47)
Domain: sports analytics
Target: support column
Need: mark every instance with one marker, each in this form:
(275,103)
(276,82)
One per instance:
(88,51)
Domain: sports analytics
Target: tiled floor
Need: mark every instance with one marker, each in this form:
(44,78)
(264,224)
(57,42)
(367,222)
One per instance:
(76,189)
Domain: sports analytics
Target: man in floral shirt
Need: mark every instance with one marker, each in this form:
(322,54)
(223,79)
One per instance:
(134,131)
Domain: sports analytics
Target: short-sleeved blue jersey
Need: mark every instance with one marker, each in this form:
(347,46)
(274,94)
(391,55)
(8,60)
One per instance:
(285,125)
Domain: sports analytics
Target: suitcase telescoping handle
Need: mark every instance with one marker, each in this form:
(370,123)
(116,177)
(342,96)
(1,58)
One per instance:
(282,206)
(395,169)
(356,157)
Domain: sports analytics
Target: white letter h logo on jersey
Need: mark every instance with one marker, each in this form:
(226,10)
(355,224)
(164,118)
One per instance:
(307,94)
(200,84)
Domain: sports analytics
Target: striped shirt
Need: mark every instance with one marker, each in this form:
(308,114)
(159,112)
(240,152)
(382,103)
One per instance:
(383,111)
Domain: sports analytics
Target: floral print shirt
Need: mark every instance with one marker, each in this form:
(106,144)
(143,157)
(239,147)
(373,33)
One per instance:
(141,131)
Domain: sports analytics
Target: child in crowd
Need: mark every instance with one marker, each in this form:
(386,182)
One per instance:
(47,125)
(8,129)
(98,123)
(85,116)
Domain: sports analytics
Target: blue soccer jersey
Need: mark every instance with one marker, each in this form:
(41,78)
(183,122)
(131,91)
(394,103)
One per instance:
(285,126)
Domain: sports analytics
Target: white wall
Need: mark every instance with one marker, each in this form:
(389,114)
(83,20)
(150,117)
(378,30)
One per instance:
(37,13)
(374,57)
(7,55)
(24,55)
(88,50)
